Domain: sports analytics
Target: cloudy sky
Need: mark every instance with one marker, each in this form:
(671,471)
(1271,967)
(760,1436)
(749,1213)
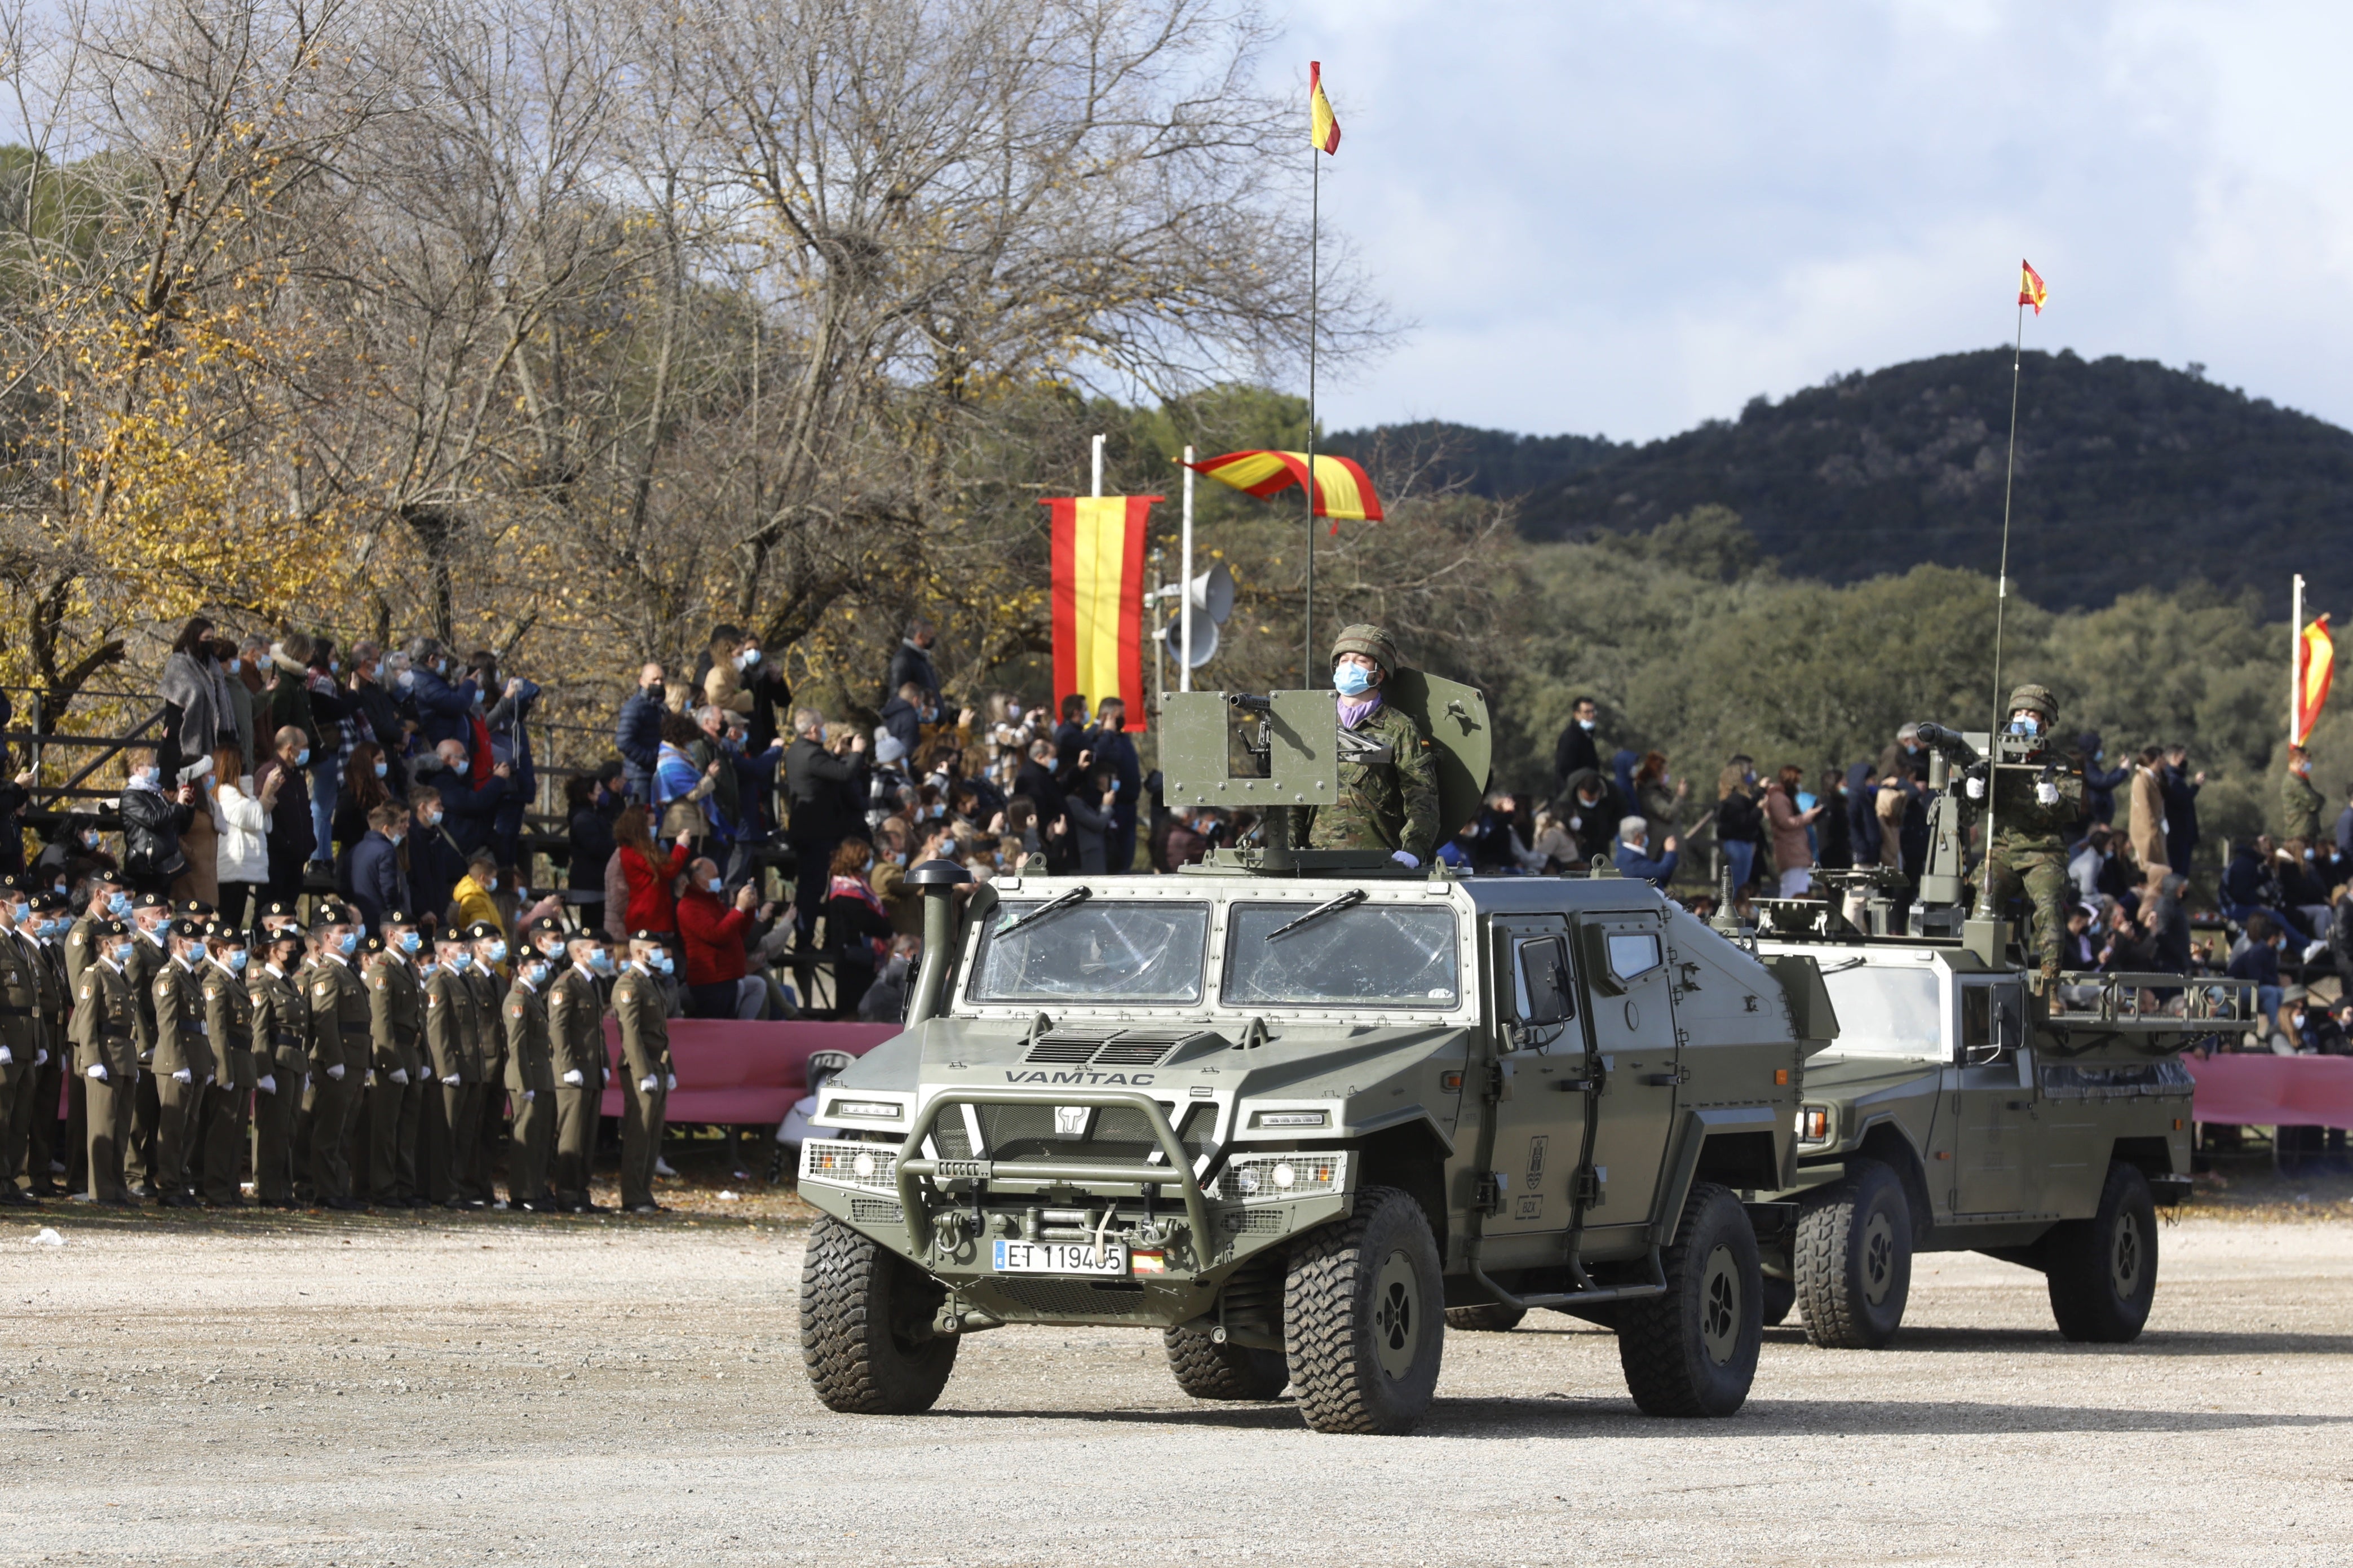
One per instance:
(1623,218)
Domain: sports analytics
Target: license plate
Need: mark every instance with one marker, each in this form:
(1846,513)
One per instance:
(1061,1258)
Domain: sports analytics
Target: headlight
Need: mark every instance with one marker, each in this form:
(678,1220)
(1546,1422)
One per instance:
(843,1164)
(1271,1178)
(881,1109)
(1814,1124)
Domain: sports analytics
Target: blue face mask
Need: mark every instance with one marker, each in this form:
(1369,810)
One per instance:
(302,758)
(1351,679)
(2027,725)
(715,884)
(409,941)
(382,768)
(428,969)
(118,906)
(535,972)
(601,962)
(349,944)
(498,953)
(461,962)
(121,954)
(660,963)
(234,959)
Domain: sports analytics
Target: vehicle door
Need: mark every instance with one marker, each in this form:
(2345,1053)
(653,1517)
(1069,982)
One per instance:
(1993,1100)
(1539,1051)
(1640,1054)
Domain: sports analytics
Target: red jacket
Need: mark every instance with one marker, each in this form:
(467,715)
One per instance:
(651,907)
(714,935)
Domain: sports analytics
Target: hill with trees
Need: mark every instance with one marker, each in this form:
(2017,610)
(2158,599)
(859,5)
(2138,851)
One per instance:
(2130,476)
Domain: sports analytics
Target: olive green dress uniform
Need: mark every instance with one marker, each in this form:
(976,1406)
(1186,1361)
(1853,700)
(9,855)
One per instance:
(105,1029)
(531,1088)
(282,1047)
(484,991)
(228,1025)
(80,950)
(20,1031)
(452,1111)
(642,1004)
(339,1035)
(396,1024)
(181,1048)
(150,955)
(575,1034)
(51,1007)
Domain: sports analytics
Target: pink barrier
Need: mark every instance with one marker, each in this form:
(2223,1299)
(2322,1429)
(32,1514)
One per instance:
(742,1074)
(2253,1090)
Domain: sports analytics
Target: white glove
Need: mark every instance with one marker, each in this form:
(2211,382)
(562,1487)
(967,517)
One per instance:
(529,1095)
(1576,823)
(573,1077)
(400,1075)
(1407,858)
(335,1071)
(672,1083)
(451,1080)
(647,1084)
(267,1083)
(7,1056)
(1976,788)
(183,1076)
(97,1072)
(2046,793)
(40,1058)
(208,1080)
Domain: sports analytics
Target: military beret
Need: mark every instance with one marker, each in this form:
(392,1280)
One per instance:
(547,922)
(150,901)
(329,913)
(114,928)
(105,876)
(397,918)
(278,909)
(283,933)
(12,883)
(223,932)
(650,936)
(51,903)
(372,944)
(188,928)
(197,909)
(481,929)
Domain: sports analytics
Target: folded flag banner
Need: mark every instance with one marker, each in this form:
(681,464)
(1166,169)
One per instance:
(1323,125)
(2030,290)
(1343,491)
(2316,662)
(1098,559)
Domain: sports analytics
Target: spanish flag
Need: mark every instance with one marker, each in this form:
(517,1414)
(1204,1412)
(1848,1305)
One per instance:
(1098,597)
(1322,126)
(2316,662)
(2030,290)
(1342,490)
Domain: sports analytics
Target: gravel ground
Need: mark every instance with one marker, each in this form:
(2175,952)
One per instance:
(177,1389)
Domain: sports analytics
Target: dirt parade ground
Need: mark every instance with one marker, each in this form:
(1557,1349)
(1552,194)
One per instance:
(586,1390)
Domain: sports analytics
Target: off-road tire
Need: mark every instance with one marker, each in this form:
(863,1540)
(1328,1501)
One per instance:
(1208,1370)
(1486,1317)
(1693,1352)
(1855,1258)
(2102,1271)
(865,1316)
(1780,1297)
(1363,1319)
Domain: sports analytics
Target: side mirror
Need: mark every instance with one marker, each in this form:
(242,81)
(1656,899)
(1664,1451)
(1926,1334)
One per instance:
(1540,993)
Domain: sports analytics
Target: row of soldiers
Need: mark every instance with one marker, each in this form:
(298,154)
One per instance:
(354,1071)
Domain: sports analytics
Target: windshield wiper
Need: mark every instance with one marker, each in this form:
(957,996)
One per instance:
(1074,897)
(1346,901)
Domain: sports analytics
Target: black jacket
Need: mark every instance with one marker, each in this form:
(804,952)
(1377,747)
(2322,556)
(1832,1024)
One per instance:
(910,663)
(1575,750)
(151,825)
(591,833)
(827,793)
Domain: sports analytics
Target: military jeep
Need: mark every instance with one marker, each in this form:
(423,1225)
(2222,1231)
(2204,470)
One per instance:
(1299,1109)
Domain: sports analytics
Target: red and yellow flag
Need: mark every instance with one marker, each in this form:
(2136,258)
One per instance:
(1322,126)
(1343,492)
(1098,596)
(2315,661)
(2030,290)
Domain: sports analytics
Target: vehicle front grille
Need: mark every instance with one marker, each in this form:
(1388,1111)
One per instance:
(876,1211)
(1025,1129)
(1116,1047)
(1073,1298)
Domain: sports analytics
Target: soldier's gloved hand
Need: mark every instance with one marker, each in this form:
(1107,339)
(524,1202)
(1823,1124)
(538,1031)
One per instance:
(40,1058)
(97,1072)
(1407,858)
(2046,793)
(208,1080)
(647,1084)
(529,1095)
(267,1083)
(451,1080)
(400,1075)
(1976,787)
(335,1071)
(672,1083)
(183,1076)
(573,1077)
(7,1056)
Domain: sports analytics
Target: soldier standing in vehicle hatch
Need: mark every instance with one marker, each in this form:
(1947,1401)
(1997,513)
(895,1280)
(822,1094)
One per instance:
(2035,801)
(1387,776)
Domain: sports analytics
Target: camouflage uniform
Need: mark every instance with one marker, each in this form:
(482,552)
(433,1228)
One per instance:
(2030,841)
(1385,802)
(2301,807)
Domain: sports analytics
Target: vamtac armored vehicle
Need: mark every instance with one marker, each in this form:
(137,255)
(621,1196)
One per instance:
(1967,1105)
(1294,1109)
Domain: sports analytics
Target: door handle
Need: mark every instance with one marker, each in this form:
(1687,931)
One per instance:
(1667,1079)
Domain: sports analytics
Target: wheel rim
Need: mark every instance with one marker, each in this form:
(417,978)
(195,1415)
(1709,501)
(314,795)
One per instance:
(1396,1314)
(1719,1307)
(2125,1257)
(1878,1258)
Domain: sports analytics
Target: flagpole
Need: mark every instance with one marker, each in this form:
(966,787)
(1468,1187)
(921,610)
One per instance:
(2295,661)
(2001,601)
(1315,221)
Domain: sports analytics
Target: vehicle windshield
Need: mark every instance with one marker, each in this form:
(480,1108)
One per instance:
(1099,950)
(1372,955)
(1884,1010)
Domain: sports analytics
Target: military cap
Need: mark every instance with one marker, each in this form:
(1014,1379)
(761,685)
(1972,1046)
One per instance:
(397,918)
(105,876)
(186,927)
(650,936)
(481,929)
(150,901)
(11,883)
(372,944)
(51,903)
(283,933)
(223,932)
(2035,700)
(111,927)
(278,908)
(1369,640)
(329,913)
(547,923)
(196,908)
